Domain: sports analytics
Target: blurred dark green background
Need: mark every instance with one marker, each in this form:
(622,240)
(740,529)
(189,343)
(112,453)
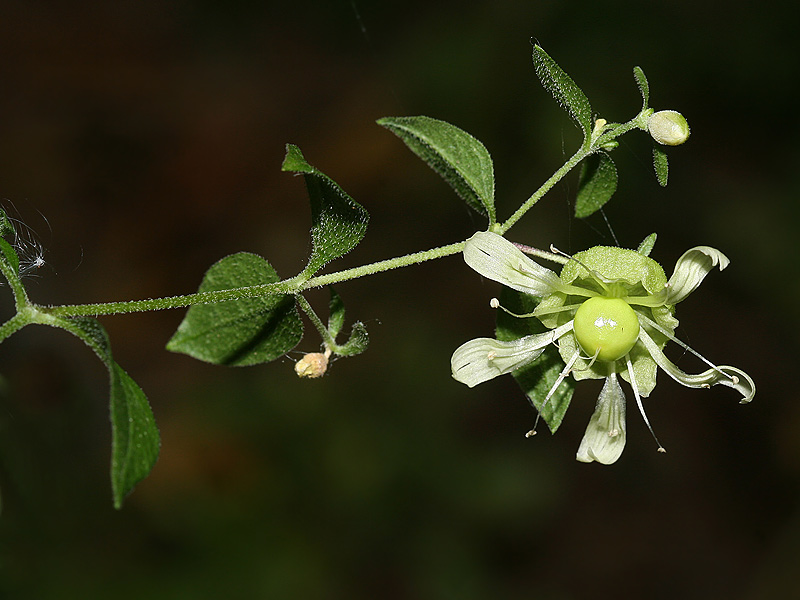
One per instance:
(150,136)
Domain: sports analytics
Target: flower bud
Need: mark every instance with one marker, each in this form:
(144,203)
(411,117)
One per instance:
(312,365)
(668,127)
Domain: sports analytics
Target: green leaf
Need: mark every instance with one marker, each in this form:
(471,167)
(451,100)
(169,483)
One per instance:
(644,87)
(9,255)
(564,90)
(358,342)
(596,185)
(537,378)
(661,165)
(646,247)
(335,314)
(6,228)
(460,159)
(135,440)
(241,332)
(338,223)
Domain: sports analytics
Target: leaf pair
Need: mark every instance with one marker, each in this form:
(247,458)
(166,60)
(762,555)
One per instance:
(259,329)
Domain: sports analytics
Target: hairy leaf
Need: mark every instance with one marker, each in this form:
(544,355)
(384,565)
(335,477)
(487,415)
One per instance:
(596,185)
(644,87)
(135,440)
(563,89)
(241,332)
(460,159)
(358,342)
(661,165)
(335,314)
(338,223)
(538,377)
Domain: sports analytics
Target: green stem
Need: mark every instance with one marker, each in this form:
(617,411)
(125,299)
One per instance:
(316,321)
(546,186)
(20,295)
(287,286)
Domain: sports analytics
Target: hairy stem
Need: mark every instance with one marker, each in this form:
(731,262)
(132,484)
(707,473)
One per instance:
(287,286)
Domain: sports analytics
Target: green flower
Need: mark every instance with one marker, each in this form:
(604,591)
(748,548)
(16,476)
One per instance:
(610,312)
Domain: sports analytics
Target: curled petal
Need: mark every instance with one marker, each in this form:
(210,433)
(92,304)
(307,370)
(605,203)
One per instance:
(483,359)
(604,439)
(497,259)
(724,375)
(691,269)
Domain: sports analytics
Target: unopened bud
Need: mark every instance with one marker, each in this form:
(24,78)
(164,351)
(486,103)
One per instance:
(668,127)
(312,365)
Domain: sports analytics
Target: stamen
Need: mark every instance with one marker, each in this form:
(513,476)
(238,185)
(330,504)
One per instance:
(687,347)
(639,401)
(495,303)
(564,372)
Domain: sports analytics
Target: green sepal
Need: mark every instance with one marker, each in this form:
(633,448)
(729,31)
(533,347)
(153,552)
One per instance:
(564,90)
(596,184)
(538,377)
(338,223)
(646,247)
(644,87)
(661,165)
(241,332)
(135,440)
(460,159)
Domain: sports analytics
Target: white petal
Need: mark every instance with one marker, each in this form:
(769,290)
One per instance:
(691,269)
(604,439)
(497,259)
(483,359)
(724,375)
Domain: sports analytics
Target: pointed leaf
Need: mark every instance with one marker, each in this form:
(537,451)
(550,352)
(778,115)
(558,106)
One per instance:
(9,255)
(335,314)
(338,223)
(538,377)
(644,87)
(460,159)
(596,185)
(661,165)
(563,89)
(239,332)
(135,440)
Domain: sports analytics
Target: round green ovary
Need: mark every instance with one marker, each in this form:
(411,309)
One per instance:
(607,327)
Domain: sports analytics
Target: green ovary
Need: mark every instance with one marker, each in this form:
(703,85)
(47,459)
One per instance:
(607,327)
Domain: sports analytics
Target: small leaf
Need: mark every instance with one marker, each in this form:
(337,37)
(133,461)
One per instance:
(241,332)
(9,255)
(6,228)
(537,378)
(358,342)
(335,314)
(460,159)
(644,87)
(338,223)
(135,440)
(563,89)
(646,247)
(596,185)
(661,165)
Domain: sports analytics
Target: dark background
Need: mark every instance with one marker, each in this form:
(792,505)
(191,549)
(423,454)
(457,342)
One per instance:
(142,141)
